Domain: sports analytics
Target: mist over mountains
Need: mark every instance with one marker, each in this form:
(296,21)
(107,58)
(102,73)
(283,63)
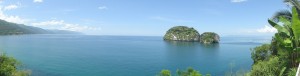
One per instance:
(9,28)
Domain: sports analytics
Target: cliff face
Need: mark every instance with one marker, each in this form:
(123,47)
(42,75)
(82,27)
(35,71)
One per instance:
(209,37)
(182,33)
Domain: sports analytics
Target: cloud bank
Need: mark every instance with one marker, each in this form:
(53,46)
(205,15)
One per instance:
(10,7)
(62,25)
(267,29)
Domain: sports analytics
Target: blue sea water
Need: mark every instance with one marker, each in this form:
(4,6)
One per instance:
(88,55)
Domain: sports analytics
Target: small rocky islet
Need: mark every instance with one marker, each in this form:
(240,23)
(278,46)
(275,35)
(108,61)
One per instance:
(184,33)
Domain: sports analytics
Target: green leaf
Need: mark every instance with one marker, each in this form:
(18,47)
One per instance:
(285,21)
(278,38)
(282,71)
(287,41)
(298,49)
(295,23)
(278,27)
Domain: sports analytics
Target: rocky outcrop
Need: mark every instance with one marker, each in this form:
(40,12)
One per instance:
(209,38)
(182,33)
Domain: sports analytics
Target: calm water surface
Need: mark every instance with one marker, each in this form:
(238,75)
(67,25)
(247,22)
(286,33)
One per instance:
(84,55)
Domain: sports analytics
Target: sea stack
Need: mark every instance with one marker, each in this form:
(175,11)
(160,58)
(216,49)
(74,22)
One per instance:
(209,38)
(182,33)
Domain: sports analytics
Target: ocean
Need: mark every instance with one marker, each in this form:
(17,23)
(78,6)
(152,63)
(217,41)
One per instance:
(93,55)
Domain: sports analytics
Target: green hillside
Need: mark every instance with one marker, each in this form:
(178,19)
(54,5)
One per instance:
(8,28)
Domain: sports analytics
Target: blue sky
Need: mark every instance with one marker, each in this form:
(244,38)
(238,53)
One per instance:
(144,17)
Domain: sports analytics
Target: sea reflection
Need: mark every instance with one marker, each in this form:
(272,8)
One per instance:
(190,44)
(214,45)
(189,52)
(181,43)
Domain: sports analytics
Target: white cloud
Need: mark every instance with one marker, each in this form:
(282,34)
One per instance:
(102,8)
(37,1)
(9,18)
(62,25)
(10,7)
(267,29)
(238,1)
(14,19)
(169,19)
(52,24)
(48,23)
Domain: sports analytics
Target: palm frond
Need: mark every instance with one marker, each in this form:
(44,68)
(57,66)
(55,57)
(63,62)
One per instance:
(295,3)
(283,13)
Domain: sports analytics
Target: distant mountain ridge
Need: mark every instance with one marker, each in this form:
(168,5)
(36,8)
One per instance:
(9,28)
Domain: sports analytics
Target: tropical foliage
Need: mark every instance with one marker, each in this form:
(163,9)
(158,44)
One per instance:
(292,72)
(9,67)
(165,73)
(281,57)
(188,72)
(271,67)
(261,53)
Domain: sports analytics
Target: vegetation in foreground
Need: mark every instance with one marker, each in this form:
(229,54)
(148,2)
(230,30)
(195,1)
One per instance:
(188,72)
(9,67)
(281,57)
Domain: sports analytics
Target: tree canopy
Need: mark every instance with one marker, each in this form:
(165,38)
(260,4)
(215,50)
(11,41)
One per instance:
(9,67)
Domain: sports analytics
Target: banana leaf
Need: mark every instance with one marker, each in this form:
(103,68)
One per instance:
(285,21)
(295,23)
(278,27)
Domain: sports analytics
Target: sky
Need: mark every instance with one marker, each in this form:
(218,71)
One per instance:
(144,17)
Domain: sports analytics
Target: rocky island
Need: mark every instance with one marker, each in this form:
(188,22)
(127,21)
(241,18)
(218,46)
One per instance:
(184,33)
(209,38)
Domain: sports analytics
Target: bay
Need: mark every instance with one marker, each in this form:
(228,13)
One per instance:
(92,55)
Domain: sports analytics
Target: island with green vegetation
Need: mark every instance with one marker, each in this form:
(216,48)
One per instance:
(209,38)
(184,33)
